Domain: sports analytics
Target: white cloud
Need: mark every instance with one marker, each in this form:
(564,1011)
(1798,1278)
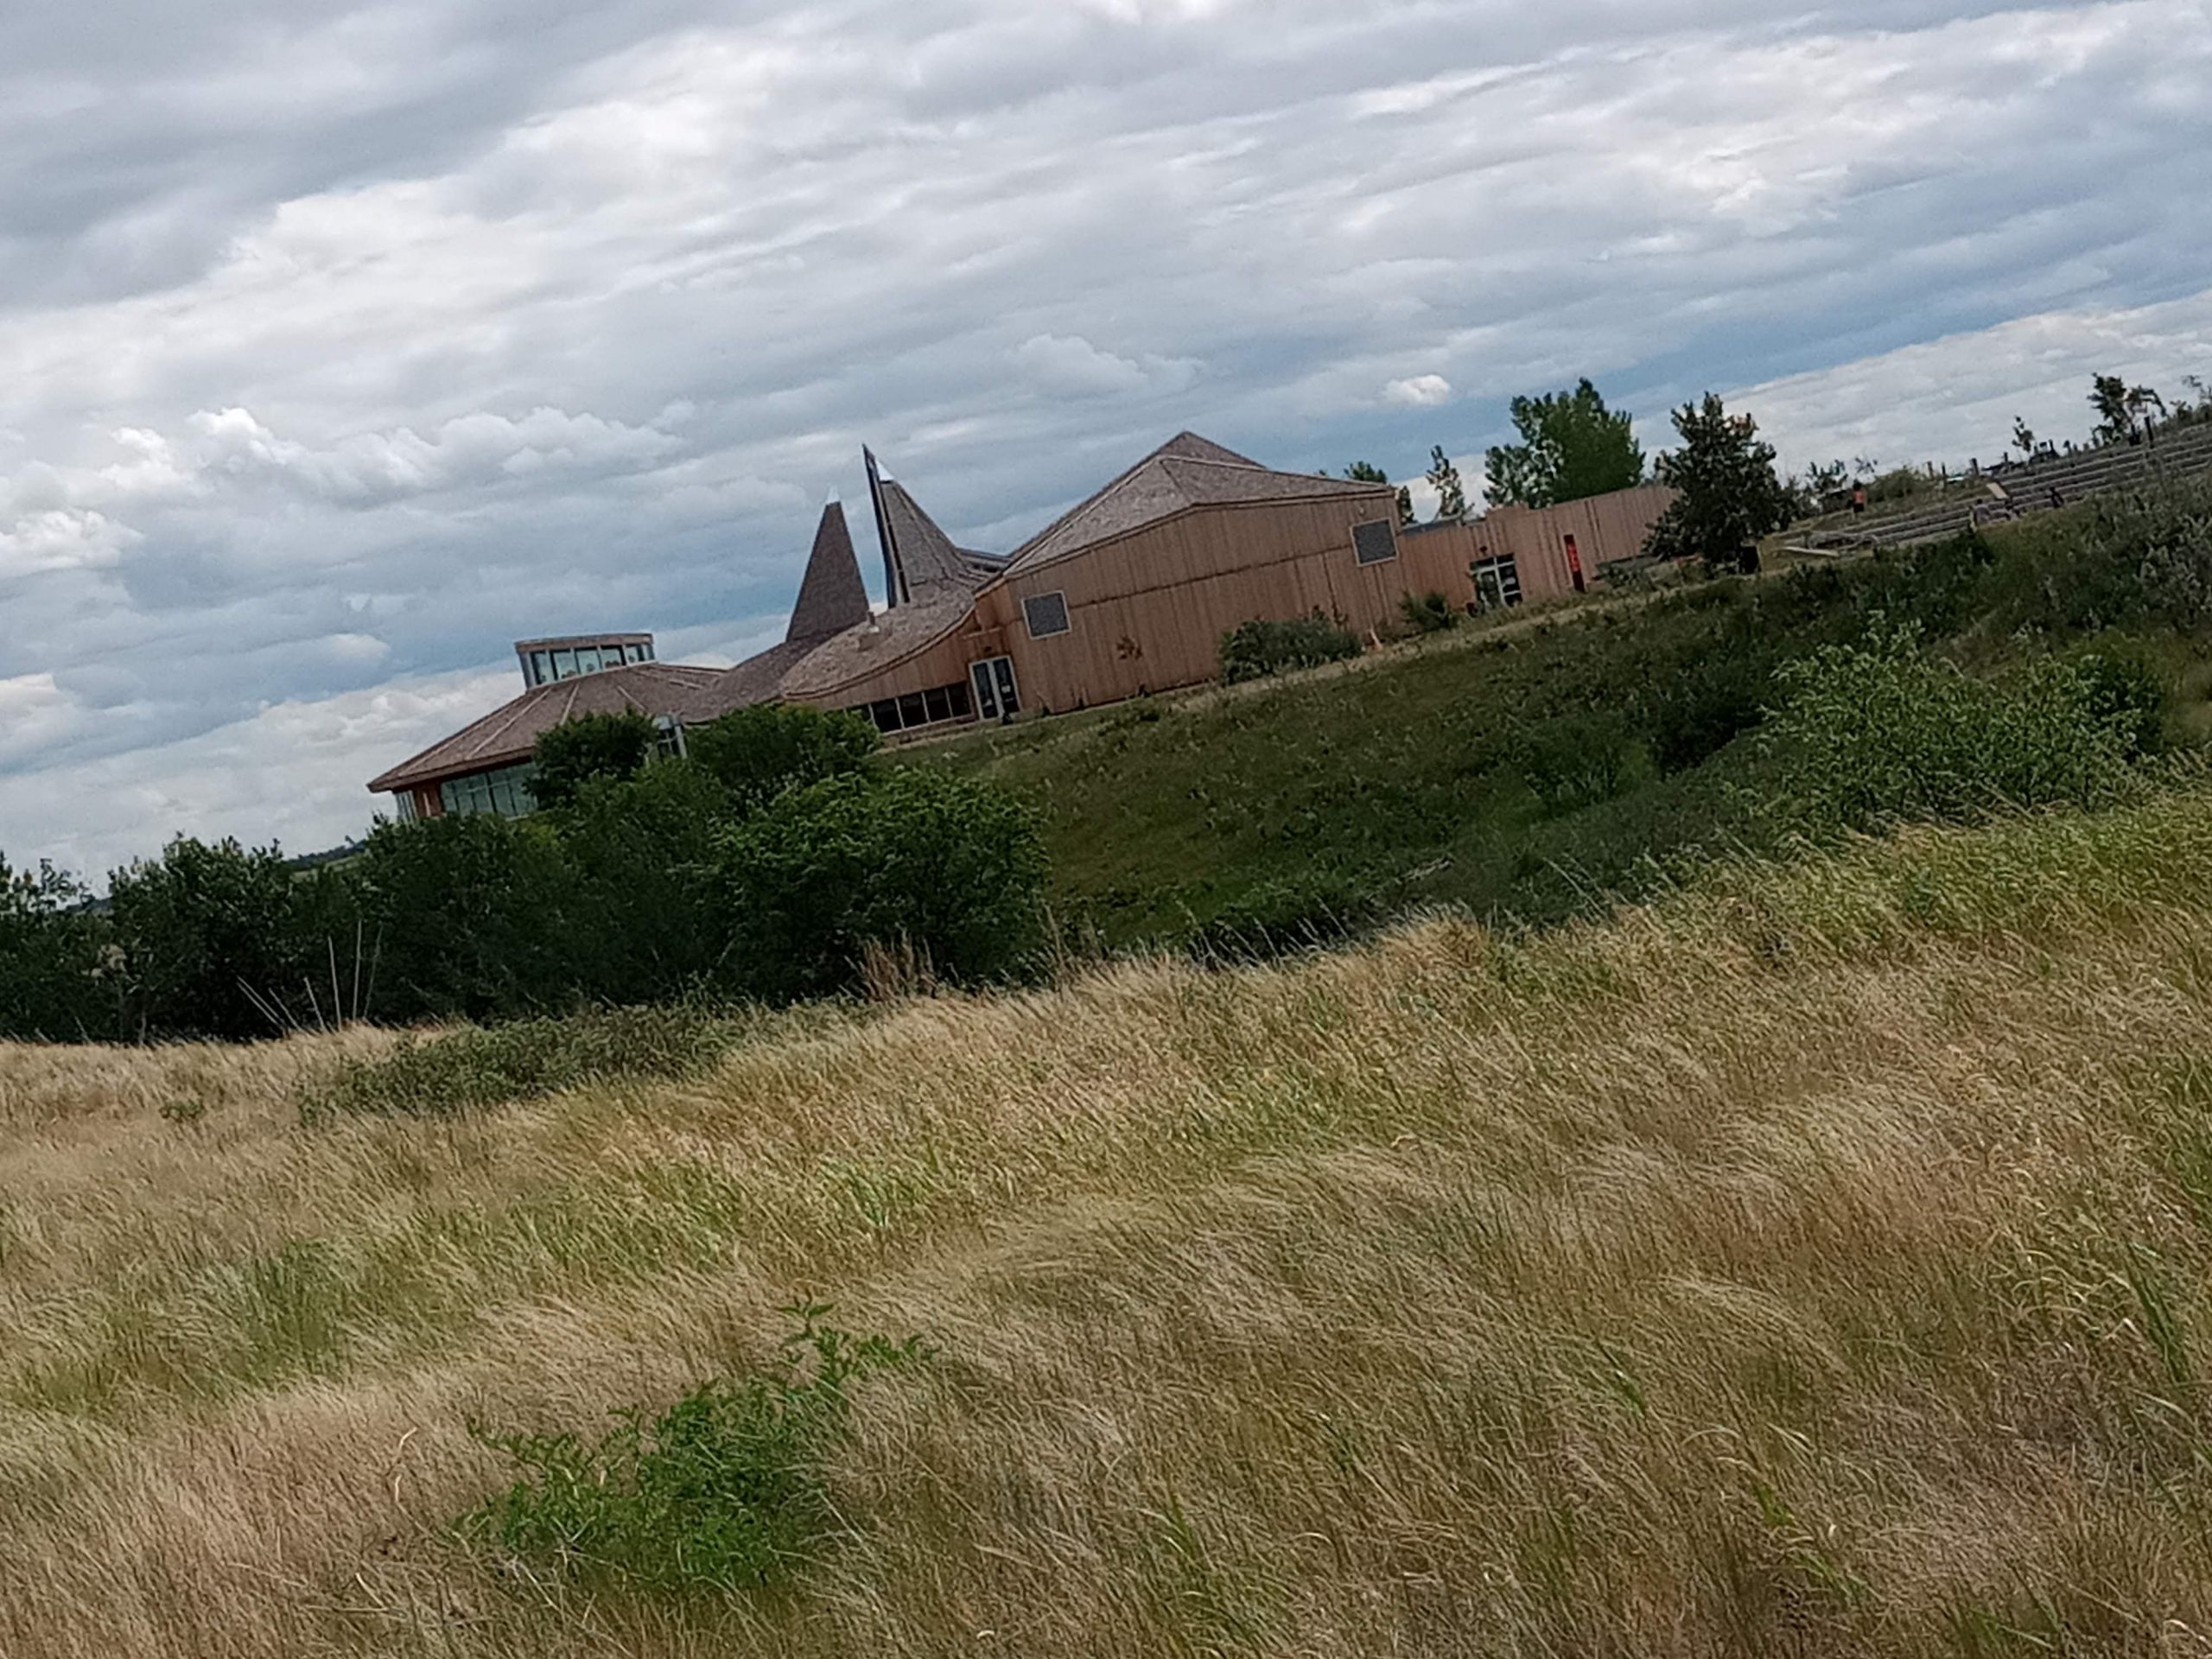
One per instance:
(354,341)
(1422,392)
(1073,367)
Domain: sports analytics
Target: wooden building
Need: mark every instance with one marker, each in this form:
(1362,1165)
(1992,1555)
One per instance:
(1131,591)
(1128,592)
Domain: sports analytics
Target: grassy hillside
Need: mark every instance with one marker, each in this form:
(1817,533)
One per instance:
(1815,1262)
(1527,770)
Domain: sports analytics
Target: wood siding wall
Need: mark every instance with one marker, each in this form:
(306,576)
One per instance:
(1606,528)
(1147,611)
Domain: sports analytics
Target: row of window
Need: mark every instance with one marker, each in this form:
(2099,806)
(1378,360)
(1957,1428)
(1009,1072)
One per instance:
(570,662)
(505,791)
(920,708)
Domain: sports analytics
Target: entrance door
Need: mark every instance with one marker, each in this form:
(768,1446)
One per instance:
(995,697)
(1497,581)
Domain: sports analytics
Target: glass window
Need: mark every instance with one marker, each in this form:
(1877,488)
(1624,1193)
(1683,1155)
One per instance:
(564,664)
(588,659)
(404,800)
(885,716)
(1376,543)
(962,704)
(541,667)
(936,702)
(505,791)
(912,710)
(1046,615)
(638,653)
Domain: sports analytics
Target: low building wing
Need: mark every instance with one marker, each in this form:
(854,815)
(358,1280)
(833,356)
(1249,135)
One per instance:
(508,735)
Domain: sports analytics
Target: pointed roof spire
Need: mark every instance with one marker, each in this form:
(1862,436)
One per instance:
(832,598)
(894,595)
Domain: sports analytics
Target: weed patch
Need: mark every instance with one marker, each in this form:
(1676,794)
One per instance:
(470,1070)
(724,1491)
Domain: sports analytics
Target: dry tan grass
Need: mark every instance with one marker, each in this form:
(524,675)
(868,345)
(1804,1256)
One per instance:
(1815,1263)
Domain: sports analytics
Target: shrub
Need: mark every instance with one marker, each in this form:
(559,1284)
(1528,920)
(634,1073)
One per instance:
(1577,760)
(1429,613)
(646,920)
(758,753)
(470,915)
(590,745)
(470,1070)
(52,954)
(215,940)
(1876,733)
(1256,650)
(724,1491)
(1302,911)
(949,869)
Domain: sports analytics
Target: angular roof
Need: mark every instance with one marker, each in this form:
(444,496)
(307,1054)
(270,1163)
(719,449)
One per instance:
(883,640)
(1188,471)
(508,735)
(924,555)
(832,597)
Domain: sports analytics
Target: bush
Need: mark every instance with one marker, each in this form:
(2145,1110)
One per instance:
(1875,734)
(470,1070)
(52,955)
(758,753)
(949,869)
(644,914)
(1429,614)
(469,915)
(213,940)
(1303,912)
(588,747)
(724,1491)
(1256,650)
(1576,760)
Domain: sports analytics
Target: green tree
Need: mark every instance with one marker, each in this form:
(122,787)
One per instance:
(53,983)
(948,867)
(1451,494)
(469,916)
(591,746)
(1571,447)
(213,940)
(1363,472)
(1727,493)
(758,753)
(645,906)
(2109,397)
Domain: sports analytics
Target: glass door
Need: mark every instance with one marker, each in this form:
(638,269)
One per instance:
(995,697)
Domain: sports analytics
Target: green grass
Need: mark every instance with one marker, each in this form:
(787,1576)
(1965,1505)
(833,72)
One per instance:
(1533,771)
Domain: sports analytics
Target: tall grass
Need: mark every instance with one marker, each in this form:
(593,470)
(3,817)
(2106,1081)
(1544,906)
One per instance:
(1816,1261)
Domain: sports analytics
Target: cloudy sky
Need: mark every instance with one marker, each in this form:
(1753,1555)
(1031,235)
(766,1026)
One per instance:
(342,345)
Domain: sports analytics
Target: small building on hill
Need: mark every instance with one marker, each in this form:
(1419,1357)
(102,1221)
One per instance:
(1129,592)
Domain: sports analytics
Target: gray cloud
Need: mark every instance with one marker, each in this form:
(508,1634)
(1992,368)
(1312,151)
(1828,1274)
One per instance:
(337,350)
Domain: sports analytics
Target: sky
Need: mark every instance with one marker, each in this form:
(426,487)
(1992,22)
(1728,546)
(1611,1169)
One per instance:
(342,346)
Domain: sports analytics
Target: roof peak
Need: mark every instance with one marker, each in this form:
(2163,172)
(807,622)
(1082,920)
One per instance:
(832,597)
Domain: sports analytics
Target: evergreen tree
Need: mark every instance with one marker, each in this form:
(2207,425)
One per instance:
(1364,472)
(1728,493)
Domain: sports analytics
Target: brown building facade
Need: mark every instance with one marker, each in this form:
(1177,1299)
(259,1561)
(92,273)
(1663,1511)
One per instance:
(1129,592)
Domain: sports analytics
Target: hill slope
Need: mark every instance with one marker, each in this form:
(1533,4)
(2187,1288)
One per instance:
(1813,1263)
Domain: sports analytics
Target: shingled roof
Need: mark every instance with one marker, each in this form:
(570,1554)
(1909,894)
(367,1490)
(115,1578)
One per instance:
(1188,471)
(508,735)
(925,559)
(832,597)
